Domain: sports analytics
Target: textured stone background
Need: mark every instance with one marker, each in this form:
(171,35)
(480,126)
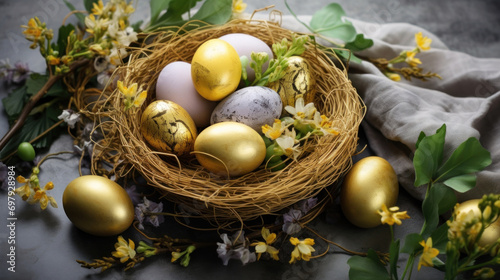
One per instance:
(47,242)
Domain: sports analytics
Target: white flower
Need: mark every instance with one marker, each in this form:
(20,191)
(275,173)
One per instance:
(127,36)
(113,29)
(300,111)
(287,144)
(69,117)
(323,125)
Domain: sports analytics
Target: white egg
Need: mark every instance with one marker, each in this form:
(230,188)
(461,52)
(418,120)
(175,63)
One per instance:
(254,106)
(175,84)
(245,44)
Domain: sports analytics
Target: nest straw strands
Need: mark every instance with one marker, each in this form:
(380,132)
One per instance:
(183,180)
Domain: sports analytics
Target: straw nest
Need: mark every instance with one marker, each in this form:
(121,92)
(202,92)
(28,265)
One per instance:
(251,196)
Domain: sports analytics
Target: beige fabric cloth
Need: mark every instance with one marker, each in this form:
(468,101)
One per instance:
(467,100)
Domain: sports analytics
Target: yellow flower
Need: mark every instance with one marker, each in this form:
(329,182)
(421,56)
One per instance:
(393,76)
(25,191)
(239,6)
(324,124)
(97,8)
(94,24)
(275,131)
(33,30)
(97,49)
(463,224)
(411,60)
(484,273)
(128,92)
(133,97)
(427,254)
(423,42)
(141,97)
(52,60)
(391,216)
(41,196)
(124,251)
(263,247)
(303,249)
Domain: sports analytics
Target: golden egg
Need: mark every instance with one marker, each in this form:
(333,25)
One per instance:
(229,144)
(98,206)
(298,81)
(370,183)
(215,69)
(167,127)
(490,234)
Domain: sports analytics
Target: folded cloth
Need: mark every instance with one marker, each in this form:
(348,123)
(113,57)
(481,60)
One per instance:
(466,99)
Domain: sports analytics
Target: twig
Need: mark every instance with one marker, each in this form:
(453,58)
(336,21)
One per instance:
(33,100)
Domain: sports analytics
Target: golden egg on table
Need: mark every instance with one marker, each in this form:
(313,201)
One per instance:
(98,206)
(490,234)
(229,148)
(370,183)
(168,128)
(298,81)
(215,69)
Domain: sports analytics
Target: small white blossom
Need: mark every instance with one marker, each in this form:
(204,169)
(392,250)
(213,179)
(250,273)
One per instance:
(69,117)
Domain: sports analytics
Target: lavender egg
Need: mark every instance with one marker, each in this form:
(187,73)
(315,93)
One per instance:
(254,106)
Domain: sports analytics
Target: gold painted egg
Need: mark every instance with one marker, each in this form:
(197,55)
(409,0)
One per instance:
(491,233)
(370,183)
(167,127)
(215,69)
(98,206)
(298,81)
(230,144)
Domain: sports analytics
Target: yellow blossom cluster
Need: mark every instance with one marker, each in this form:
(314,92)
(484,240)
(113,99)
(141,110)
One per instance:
(33,193)
(306,121)
(109,34)
(423,43)
(134,97)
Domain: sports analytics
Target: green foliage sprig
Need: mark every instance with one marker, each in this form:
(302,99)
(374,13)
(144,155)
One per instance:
(442,179)
(330,24)
(282,50)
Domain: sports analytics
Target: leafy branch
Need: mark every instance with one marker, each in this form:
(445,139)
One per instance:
(442,179)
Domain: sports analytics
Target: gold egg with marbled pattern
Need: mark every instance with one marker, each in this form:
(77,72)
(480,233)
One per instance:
(298,81)
(168,128)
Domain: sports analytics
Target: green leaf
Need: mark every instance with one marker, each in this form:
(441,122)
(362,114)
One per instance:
(411,244)
(462,183)
(348,56)
(157,6)
(469,157)
(62,39)
(393,258)
(367,268)
(14,102)
(420,137)
(137,26)
(451,265)
(359,43)
(71,7)
(215,11)
(329,22)
(88,4)
(34,126)
(439,200)
(36,81)
(176,9)
(440,238)
(428,156)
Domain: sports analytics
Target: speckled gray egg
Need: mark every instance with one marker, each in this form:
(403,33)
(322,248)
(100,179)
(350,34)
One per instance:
(254,106)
